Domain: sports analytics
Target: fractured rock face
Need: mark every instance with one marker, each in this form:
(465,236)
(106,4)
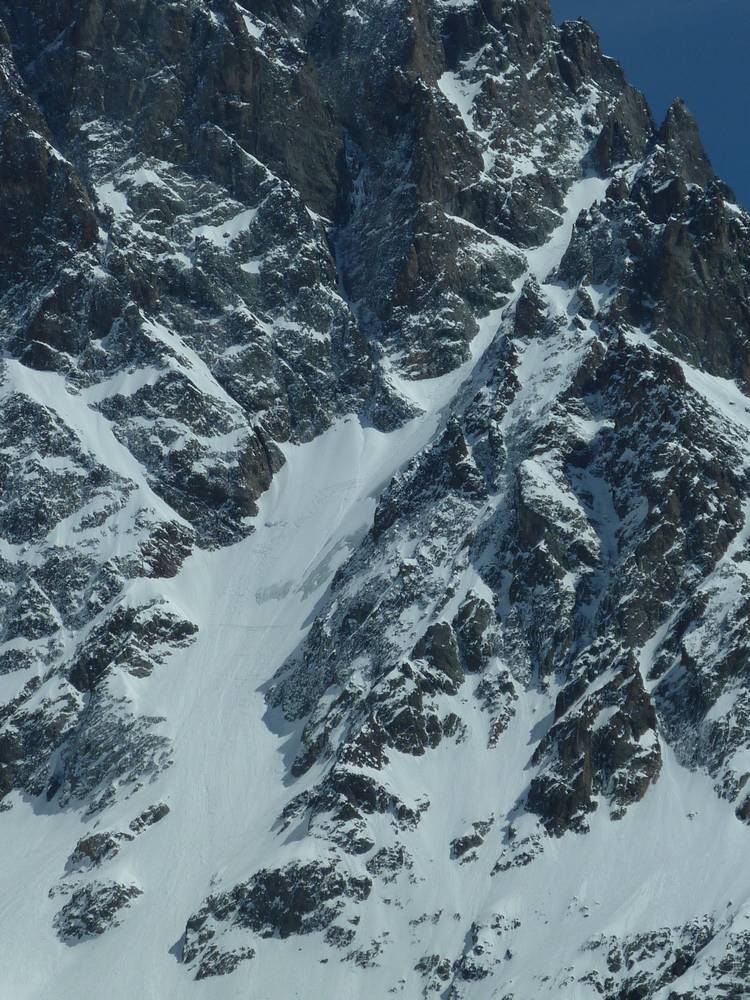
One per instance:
(94,909)
(92,850)
(298,899)
(374,482)
(605,744)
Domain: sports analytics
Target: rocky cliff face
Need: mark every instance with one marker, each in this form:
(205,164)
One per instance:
(375,557)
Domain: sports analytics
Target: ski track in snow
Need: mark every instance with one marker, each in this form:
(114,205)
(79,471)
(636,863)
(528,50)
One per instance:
(253,603)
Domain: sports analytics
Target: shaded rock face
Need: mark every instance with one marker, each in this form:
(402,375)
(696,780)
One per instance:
(672,953)
(677,251)
(94,909)
(98,847)
(299,899)
(231,230)
(608,746)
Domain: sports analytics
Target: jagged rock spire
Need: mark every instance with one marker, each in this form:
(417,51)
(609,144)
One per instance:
(679,135)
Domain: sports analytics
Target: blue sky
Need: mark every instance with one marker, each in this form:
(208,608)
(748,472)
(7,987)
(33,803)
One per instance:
(695,49)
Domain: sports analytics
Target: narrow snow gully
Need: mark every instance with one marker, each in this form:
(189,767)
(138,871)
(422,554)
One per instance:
(253,603)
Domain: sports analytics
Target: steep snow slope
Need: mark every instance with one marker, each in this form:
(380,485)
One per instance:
(253,602)
(535,929)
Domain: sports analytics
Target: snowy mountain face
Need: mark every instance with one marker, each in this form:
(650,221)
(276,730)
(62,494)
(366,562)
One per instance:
(375,522)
